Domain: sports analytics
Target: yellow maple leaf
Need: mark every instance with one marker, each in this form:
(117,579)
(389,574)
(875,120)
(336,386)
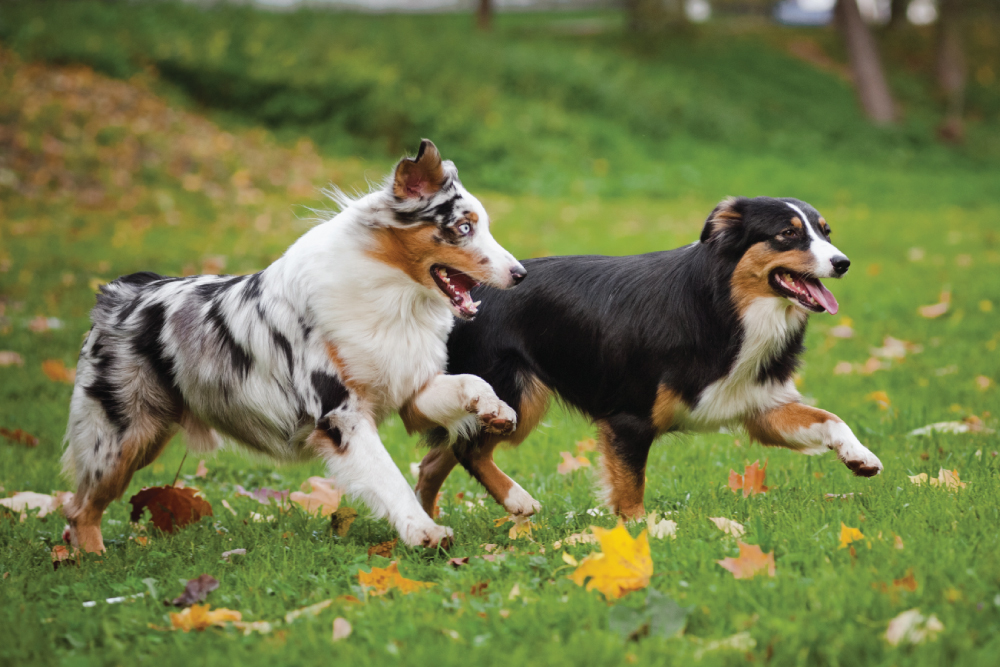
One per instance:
(623,565)
(383,579)
(848,535)
(199,616)
(751,562)
(522,526)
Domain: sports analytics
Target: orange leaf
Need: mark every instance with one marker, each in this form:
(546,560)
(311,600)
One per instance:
(383,579)
(198,617)
(751,562)
(587,445)
(623,565)
(56,371)
(383,549)
(848,535)
(201,471)
(323,500)
(20,437)
(938,309)
(170,507)
(751,481)
(571,463)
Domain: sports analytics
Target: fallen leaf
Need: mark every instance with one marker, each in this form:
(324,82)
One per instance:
(196,591)
(983,383)
(322,501)
(260,627)
(571,463)
(912,627)
(843,368)
(263,495)
(515,592)
(142,541)
(569,559)
(573,539)
(842,331)
(660,529)
(894,348)
(741,641)
(728,526)
(522,526)
(311,610)
(20,437)
(458,562)
(382,580)
(383,549)
(348,599)
(56,371)
(938,309)
(225,503)
(849,535)
(60,554)
(908,582)
(201,471)
(227,555)
(587,445)
(623,565)
(342,519)
(751,562)
(881,398)
(198,617)
(946,478)
(8,358)
(971,424)
(751,481)
(341,629)
(42,324)
(169,507)
(29,500)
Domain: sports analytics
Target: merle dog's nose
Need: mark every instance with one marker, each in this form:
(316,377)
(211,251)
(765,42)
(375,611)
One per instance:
(840,264)
(517,274)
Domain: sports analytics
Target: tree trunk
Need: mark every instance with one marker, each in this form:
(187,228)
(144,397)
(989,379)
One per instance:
(866,66)
(897,14)
(951,69)
(484,15)
(652,16)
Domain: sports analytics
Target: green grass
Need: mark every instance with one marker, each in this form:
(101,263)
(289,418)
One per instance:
(822,608)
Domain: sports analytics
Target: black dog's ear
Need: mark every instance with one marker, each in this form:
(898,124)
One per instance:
(419,176)
(725,220)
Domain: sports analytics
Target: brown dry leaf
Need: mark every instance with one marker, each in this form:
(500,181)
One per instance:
(946,478)
(342,519)
(751,481)
(29,500)
(458,562)
(142,541)
(169,507)
(56,371)
(623,565)
(908,582)
(323,500)
(196,591)
(9,358)
(938,309)
(728,526)
(383,579)
(751,562)
(383,549)
(60,554)
(201,471)
(897,543)
(571,463)
(19,436)
(341,629)
(199,616)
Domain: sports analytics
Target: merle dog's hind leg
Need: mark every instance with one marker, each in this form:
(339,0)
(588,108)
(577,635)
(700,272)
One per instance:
(624,443)
(102,457)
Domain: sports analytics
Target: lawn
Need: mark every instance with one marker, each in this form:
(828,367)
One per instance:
(103,176)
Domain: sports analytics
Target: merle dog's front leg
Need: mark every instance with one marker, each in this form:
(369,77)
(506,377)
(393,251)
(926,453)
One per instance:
(813,431)
(463,404)
(356,458)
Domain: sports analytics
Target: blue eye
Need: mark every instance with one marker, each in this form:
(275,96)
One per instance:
(464,228)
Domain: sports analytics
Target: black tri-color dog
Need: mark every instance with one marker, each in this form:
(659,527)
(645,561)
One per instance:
(691,339)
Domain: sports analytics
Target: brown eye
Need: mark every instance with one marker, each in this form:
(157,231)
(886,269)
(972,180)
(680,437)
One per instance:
(789,233)
(827,230)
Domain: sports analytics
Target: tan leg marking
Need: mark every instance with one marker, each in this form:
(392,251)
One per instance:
(434,470)
(772,427)
(483,468)
(623,489)
(535,399)
(665,409)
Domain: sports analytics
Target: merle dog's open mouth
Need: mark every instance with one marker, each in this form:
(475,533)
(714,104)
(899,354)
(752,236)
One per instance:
(456,286)
(806,290)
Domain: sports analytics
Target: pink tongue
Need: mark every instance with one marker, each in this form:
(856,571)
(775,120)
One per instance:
(823,295)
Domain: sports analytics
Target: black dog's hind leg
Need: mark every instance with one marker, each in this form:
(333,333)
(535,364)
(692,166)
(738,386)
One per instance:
(624,442)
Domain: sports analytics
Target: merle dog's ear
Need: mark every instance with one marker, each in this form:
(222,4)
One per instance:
(419,176)
(725,221)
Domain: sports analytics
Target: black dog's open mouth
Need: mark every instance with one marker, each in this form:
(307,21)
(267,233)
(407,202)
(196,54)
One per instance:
(456,286)
(806,290)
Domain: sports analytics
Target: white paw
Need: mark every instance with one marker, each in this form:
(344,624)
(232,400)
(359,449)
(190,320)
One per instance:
(519,502)
(426,534)
(494,415)
(859,459)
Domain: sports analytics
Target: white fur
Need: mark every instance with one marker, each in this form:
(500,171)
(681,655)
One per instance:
(836,435)
(461,403)
(822,250)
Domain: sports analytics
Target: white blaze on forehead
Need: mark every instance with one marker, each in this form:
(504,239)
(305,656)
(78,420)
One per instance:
(822,250)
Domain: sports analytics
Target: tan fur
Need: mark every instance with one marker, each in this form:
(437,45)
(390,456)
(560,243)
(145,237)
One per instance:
(426,173)
(665,409)
(750,279)
(796,222)
(413,419)
(771,427)
(623,492)
(415,250)
(482,466)
(434,469)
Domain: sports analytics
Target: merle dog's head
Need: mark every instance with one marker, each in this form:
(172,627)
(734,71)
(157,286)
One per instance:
(781,248)
(439,234)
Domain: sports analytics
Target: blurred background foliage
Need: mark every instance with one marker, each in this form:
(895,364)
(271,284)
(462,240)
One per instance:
(566,103)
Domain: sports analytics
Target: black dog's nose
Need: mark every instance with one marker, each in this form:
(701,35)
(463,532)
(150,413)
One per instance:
(840,264)
(517,274)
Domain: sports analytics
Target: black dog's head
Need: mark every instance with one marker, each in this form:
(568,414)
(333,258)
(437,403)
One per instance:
(781,248)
